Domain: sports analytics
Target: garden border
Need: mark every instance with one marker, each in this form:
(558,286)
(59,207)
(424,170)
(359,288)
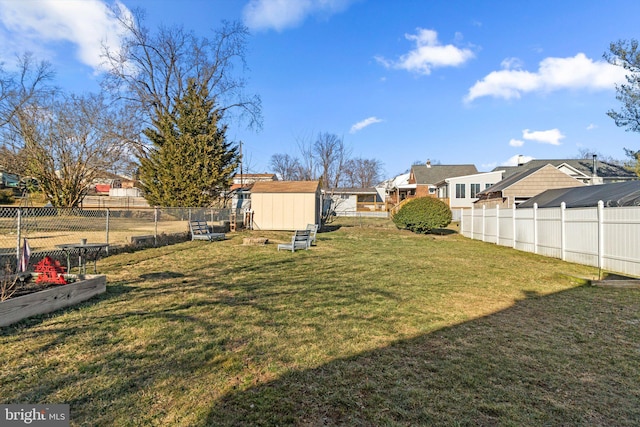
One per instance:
(48,300)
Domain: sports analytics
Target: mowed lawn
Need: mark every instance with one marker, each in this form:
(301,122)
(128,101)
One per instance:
(371,327)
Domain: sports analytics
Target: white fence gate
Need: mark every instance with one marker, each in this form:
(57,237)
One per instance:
(607,238)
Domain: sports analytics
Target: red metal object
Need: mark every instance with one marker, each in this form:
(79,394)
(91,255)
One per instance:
(103,188)
(50,271)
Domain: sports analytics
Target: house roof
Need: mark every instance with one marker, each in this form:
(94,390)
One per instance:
(479,175)
(508,182)
(615,194)
(432,174)
(584,166)
(256,175)
(245,187)
(285,187)
(352,190)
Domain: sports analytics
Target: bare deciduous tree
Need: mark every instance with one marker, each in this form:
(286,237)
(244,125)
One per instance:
(331,155)
(362,173)
(286,167)
(27,85)
(152,70)
(67,141)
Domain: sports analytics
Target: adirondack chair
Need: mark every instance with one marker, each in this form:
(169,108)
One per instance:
(313,229)
(200,231)
(300,240)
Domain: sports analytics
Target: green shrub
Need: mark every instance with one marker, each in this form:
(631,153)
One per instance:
(6,197)
(422,215)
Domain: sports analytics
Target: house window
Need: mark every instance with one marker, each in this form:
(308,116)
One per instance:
(432,190)
(487,186)
(475,189)
(460,191)
(366,198)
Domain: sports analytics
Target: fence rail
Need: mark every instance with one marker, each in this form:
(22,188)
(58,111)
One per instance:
(607,238)
(45,228)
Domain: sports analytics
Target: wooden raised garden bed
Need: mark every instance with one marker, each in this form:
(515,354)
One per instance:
(51,299)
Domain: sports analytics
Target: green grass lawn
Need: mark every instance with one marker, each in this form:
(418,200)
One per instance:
(372,327)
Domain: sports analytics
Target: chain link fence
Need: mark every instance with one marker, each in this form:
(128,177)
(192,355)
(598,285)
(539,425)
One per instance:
(43,229)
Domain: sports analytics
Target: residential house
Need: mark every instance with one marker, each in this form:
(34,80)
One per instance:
(240,190)
(357,201)
(461,192)
(426,177)
(589,171)
(397,189)
(285,205)
(524,185)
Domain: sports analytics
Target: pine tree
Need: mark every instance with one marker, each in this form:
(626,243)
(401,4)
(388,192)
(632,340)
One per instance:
(191,162)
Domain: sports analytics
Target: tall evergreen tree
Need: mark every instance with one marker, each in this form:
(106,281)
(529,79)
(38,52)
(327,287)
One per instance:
(191,162)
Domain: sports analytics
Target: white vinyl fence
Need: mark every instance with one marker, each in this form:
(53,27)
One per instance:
(607,238)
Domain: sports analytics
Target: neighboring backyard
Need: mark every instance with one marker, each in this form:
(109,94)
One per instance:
(371,327)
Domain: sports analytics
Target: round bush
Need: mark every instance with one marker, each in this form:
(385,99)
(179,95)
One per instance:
(423,214)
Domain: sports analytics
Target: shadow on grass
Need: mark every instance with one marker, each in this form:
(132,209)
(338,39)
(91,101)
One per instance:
(161,275)
(549,360)
(563,359)
(443,231)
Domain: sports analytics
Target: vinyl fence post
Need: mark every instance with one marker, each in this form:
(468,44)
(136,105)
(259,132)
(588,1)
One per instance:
(600,238)
(107,230)
(497,224)
(473,211)
(563,231)
(535,228)
(462,221)
(513,222)
(484,220)
(18,231)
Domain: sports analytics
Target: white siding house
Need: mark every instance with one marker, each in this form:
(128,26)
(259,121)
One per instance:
(460,192)
(357,201)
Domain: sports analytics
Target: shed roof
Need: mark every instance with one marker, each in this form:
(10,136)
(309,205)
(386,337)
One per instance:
(613,195)
(435,173)
(285,187)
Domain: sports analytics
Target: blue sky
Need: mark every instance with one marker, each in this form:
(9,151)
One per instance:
(453,81)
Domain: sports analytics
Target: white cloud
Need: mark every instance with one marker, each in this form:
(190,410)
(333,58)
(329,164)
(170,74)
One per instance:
(516,160)
(516,143)
(85,24)
(577,72)
(592,126)
(512,64)
(364,123)
(428,54)
(282,14)
(551,136)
